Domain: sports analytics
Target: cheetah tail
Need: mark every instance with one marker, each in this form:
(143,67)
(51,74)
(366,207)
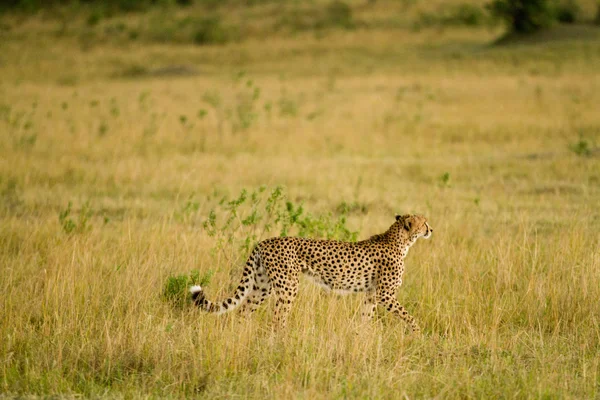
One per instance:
(242,291)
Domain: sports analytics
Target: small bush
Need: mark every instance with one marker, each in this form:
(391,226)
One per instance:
(94,18)
(176,288)
(522,16)
(79,225)
(252,216)
(445,179)
(567,11)
(582,148)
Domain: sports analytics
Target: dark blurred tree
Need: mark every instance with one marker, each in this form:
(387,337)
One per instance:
(522,16)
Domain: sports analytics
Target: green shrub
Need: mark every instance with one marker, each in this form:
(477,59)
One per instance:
(522,16)
(597,18)
(567,11)
(244,220)
(79,225)
(176,288)
(94,18)
(582,148)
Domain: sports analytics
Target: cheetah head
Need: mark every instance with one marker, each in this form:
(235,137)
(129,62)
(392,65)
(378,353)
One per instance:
(416,226)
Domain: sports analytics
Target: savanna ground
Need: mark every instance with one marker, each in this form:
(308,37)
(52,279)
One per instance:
(117,151)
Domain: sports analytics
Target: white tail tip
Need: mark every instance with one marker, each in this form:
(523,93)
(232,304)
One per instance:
(195,289)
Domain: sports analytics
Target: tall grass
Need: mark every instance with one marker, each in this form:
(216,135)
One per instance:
(107,182)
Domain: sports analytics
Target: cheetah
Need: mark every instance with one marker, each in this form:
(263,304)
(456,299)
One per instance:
(374,266)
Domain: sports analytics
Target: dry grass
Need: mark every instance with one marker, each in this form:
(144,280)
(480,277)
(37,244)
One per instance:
(498,147)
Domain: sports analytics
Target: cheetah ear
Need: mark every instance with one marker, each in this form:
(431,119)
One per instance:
(407,223)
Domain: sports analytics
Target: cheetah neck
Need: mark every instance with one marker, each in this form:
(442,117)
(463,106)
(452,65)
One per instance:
(399,238)
(405,247)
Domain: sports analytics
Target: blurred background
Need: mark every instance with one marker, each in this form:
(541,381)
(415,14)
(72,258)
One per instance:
(148,145)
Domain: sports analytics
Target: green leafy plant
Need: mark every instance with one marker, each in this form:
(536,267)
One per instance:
(238,223)
(95,17)
(176,287)
(66,222)
(102,129)
(75,225)
(582,148)
(445,179)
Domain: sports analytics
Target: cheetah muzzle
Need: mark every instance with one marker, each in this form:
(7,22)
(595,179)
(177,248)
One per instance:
(374,266)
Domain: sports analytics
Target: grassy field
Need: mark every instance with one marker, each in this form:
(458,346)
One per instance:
(113,154)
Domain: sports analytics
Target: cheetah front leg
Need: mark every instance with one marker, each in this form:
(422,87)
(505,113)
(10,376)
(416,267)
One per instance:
(369,306)
(388,299)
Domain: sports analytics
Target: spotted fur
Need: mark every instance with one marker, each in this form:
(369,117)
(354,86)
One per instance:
(374,266)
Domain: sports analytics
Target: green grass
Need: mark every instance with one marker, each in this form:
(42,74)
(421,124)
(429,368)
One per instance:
(111,170)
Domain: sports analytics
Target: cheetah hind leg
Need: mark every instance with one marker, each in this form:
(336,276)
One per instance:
(260,292)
